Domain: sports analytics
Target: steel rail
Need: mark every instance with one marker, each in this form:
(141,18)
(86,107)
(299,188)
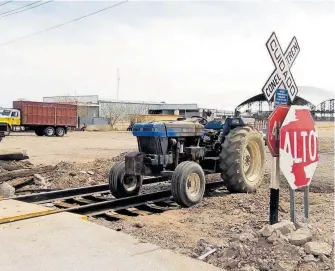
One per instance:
(72,192)
(119,204)
(62,194)
(111,205)
(128,202)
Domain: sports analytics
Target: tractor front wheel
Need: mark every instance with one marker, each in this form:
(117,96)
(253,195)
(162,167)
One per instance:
(122,185)
(188,184)
(242,160)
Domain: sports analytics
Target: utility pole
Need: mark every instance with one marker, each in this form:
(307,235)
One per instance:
(118,84)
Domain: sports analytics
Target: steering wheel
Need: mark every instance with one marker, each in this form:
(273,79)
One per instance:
(202,120)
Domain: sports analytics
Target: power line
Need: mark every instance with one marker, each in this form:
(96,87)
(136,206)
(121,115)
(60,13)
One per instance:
(41,4)
(59,25)
(9,11)
(6,3)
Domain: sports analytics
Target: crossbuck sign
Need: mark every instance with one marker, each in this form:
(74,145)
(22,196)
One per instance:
(281,76)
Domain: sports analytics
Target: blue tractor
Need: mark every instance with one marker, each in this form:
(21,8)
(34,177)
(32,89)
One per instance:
(186,150)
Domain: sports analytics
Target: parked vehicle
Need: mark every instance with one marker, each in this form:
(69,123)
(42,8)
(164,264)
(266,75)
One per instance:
(49,119)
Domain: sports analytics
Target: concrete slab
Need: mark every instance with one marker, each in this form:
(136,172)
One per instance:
(64,242)
(12,209)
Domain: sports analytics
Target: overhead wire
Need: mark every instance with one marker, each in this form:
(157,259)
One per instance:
(2,4)
(41,4)
(62,24)
(9,11)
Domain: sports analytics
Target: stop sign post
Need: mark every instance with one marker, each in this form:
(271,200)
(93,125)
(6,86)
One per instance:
(272,139)
(298,152)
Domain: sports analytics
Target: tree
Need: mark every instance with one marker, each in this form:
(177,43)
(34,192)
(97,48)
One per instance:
(115,112)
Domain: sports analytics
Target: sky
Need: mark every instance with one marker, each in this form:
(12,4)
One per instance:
(209,53)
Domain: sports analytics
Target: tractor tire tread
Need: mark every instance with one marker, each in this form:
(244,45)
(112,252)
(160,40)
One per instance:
(231,168)
(179,178)
(176,177)
(115,178)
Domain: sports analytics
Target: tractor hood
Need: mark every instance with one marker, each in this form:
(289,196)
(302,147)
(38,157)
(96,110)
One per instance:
(168,129)
(154,129)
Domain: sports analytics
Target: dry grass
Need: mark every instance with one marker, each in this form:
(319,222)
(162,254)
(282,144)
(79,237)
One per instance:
(325,125)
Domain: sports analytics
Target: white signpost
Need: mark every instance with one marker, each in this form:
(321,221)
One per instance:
(281,76)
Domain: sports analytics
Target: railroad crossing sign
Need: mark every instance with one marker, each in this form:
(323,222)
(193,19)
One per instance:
(281,76)
(274,122)
(298,147)
(281,97)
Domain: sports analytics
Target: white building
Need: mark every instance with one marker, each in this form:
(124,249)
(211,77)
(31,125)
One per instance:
(144,107)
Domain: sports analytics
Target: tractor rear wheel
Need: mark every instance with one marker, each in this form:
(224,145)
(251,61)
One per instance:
(188,183)
(242,160)
(122,185)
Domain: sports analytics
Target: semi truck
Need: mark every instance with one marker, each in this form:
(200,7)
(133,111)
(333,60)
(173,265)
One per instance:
(45,119)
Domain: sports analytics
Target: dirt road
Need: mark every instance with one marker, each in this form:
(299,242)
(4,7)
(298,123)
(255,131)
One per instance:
(74,147)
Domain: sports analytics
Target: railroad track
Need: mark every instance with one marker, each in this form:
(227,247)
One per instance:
(98,201)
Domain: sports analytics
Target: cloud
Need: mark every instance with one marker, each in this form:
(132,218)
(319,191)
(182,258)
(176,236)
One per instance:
(210,53)
(315,95)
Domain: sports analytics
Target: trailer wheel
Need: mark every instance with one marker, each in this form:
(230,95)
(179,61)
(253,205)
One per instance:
(242,160)
(122,185)
(60,131)
(39,132)
(49,131)
(188,183)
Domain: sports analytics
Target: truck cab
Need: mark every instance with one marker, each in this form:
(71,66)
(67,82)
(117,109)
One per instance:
(12,118)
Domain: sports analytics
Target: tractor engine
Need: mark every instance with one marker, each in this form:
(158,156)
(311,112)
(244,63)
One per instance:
(163,145)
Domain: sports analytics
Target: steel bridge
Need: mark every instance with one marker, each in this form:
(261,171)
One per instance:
(259,108)
(324,110)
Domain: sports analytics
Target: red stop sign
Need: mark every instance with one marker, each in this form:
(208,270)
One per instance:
(298,147)
(274,122)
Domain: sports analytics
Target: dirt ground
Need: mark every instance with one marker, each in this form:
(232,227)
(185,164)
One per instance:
(222,217)
(76,147)
(219,221)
